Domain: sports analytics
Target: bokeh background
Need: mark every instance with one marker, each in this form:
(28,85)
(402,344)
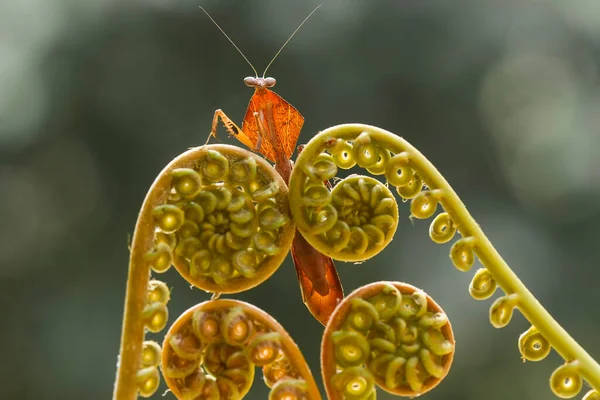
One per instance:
(97,96)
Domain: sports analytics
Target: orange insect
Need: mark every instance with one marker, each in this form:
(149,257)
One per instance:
(271,127)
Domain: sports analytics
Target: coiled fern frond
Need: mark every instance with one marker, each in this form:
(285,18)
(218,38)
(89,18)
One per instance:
(225,219)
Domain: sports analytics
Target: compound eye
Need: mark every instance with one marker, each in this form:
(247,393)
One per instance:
(251,81)
(270,82)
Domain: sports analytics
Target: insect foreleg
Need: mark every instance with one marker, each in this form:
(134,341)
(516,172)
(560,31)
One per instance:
(231,127)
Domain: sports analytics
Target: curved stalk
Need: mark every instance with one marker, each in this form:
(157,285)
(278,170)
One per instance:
(223,217)
(218,213)
(382,153)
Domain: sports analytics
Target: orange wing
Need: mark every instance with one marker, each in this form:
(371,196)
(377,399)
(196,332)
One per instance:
(322,291)
(287,122)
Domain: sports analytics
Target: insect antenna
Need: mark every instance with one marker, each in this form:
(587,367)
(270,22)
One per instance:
(290,38)
(231,41)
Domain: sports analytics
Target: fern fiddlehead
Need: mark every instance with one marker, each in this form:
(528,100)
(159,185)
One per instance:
(212,349)
(322,219)
(388,333)
(220,215)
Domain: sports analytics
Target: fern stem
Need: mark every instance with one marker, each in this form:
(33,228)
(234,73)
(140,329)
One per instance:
(352,140)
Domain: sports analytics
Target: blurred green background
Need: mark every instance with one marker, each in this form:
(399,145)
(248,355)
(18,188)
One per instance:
(97,96)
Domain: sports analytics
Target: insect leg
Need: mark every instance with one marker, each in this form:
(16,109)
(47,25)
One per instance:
(231,127)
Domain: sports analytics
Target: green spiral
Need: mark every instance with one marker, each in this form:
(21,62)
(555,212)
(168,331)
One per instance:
(225,221)
(390,334)
(212,349)
(349,225)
